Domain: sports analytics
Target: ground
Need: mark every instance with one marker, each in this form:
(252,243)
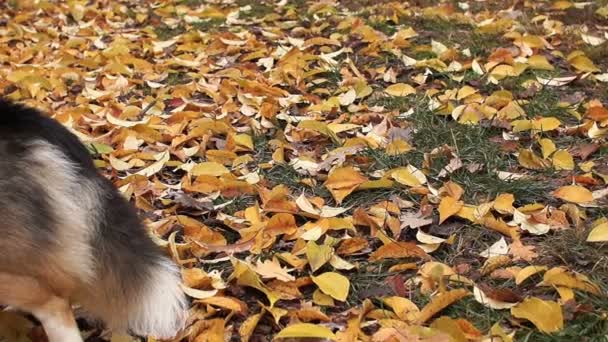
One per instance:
(344,170)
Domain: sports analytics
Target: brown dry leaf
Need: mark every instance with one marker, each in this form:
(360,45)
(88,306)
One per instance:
(352,245)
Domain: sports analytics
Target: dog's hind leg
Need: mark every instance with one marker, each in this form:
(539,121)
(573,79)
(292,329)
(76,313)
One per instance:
(54,312)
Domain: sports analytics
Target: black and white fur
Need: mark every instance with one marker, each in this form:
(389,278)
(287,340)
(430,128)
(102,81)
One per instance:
(66,226)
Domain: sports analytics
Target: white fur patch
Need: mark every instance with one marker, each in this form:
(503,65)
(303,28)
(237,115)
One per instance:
(74,201)
(162,310)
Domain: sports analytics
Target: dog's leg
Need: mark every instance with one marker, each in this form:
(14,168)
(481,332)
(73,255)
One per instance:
(53,312)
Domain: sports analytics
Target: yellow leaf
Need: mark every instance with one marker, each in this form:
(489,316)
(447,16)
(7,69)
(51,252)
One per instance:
(210,330)
(451,327)
(405,177)
(244,141)
(333,284)
(342,181)
(397,147)
(559,276)
(404,308)
(161,159)
(547,146)
(574,194)
(599,233)
(447,207)
(318,255)
(400,89)
(583,63)
(530,160)
(229,303)
(120,165)
(320,298)
(521,125)
(545,315)
(306,330)
(562,160)
(539,62)
(409,176)
(209,169)
(465,92)
(198,294)
(545,124)
(247,277)
(504,203)
(440,302)
(528,271)
(246,329)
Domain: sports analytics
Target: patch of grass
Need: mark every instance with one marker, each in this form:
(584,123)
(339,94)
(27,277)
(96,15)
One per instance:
(258,9)
(401,103)
(484,186)
(480,316)
(365,283)
(583,256)
(470,142)
(482,44)
(379,160)
(164,32)
(383,26)
(371,196)
(236,204)
(209,25)
(546,103)
(176,78)
(470,240)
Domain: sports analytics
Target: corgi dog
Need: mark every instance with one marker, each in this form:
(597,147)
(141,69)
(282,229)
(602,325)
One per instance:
(67,236)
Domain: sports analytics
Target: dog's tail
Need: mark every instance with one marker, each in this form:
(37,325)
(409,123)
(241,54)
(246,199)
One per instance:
(137,287)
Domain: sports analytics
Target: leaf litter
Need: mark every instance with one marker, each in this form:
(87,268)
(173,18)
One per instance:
(350,171)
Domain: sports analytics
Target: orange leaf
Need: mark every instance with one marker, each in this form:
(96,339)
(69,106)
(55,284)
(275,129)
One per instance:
(397,250)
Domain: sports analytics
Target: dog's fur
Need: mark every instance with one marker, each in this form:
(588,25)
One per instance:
(68,236)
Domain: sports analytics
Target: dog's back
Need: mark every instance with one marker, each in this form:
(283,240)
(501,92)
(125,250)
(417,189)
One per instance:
(67,227)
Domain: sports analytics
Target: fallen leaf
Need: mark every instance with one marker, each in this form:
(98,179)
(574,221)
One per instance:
(333,284)
(545,315)
(440,302)
(574,194)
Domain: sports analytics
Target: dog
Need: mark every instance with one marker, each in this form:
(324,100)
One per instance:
(68,236)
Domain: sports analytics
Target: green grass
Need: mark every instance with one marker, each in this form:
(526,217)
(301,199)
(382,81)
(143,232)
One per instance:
(586,257)
(209,25)
(164,32)
(176,78)
(258,9)
(383,26)
(546,103)
(233,205)
(480,316)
